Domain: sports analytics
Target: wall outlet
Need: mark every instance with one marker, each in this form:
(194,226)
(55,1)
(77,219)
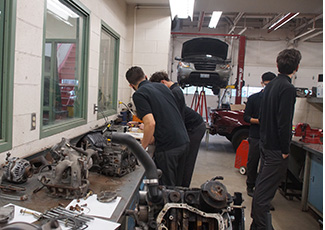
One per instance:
(33,122)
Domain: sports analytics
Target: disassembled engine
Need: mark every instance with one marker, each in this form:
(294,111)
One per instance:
(177,208)
(16,170)
(68,178)
(112,159)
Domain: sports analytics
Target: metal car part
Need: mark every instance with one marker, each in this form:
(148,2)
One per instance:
(106,196)
(112,159)
(13,197)
(178,208)
(16,170)
(50,225)
(69,175)
(7,213)
(221,220)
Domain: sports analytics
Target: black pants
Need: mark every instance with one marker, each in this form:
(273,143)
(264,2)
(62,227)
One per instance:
(195,136)
(268,180)
(252,161)
(172,165)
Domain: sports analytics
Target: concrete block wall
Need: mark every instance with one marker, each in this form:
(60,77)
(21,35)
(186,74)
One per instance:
(306,112)
(152,32)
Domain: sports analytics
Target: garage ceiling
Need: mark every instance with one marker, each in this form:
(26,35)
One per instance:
(249,15)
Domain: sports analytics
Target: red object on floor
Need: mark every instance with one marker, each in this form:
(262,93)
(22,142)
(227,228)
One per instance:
(242,155)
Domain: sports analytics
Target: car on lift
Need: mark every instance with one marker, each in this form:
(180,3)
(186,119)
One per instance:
(229,123)
(204,63)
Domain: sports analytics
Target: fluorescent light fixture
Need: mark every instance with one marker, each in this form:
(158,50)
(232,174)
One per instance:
(215,19)
(181,8)
(57,8)
(282,21)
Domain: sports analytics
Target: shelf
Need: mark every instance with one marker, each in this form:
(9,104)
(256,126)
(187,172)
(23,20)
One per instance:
(318,100)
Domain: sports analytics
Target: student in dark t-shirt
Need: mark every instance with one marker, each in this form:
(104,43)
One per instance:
(157,108)
(252,111)
(194,124)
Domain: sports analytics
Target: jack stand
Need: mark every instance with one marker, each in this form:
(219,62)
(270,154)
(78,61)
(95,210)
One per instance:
(199,100)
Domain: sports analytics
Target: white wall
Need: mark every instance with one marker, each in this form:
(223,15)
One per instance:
(260,57)
(150,51)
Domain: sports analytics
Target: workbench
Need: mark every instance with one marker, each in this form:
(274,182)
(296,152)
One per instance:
(312,180)
(126,187)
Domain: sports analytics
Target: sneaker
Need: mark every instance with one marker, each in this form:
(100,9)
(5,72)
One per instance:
(250,191)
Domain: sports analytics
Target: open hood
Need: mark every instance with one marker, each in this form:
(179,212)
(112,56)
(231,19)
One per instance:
(205,46)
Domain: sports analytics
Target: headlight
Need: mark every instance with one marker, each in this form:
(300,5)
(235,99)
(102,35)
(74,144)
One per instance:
(184,64)
(226,67)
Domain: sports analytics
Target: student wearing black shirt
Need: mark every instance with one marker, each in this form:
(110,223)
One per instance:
(194,124)
(277,108)
(251,115)
(157,108)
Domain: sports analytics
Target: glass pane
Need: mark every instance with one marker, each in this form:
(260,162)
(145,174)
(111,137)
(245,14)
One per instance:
(62,97)
(106,72)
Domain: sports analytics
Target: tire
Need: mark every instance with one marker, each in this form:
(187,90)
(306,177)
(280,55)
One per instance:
(238,137)
(216,90)
(242,170)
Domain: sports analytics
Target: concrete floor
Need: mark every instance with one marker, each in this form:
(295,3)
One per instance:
(217,159)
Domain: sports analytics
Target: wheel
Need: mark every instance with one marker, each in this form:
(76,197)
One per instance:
(242,170)
(215,90)
(238,137)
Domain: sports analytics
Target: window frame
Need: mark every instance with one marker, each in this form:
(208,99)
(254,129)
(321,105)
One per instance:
(49,130)
(7,72)
(116,36)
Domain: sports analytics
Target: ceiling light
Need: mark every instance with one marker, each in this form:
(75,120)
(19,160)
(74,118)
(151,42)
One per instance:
(215,19)
(282,21)
(181,8)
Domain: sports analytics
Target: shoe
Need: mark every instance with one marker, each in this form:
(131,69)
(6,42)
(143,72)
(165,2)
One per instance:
(271,207)
(250,191)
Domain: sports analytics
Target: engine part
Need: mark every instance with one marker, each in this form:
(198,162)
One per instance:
(12,197)
(6,214)
(50,225)
(178,208)
(17,170)
(69,218)
(68,178)
(112,159)
(106,196)
(9,187)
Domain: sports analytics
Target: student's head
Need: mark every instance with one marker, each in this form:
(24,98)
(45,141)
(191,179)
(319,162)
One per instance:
(159,76)
(267,77)
(135,75)
(288,61)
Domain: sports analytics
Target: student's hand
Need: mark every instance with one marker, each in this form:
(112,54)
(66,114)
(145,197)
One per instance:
(285,155)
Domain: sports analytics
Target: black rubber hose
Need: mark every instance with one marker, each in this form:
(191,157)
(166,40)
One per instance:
(149,165)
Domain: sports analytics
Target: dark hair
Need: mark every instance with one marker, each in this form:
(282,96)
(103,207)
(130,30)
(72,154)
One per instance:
(268,76)
(288,61)
(134,75)
(159,76)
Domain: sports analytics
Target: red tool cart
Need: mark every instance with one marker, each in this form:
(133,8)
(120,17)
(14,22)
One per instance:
(241,157)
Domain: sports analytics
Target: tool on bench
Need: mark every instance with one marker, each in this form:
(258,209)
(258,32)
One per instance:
(309,135)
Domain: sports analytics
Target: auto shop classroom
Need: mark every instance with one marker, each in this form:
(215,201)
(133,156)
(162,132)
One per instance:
(73,129)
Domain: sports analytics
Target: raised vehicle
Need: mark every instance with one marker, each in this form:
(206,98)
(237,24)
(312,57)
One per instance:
(204,63)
